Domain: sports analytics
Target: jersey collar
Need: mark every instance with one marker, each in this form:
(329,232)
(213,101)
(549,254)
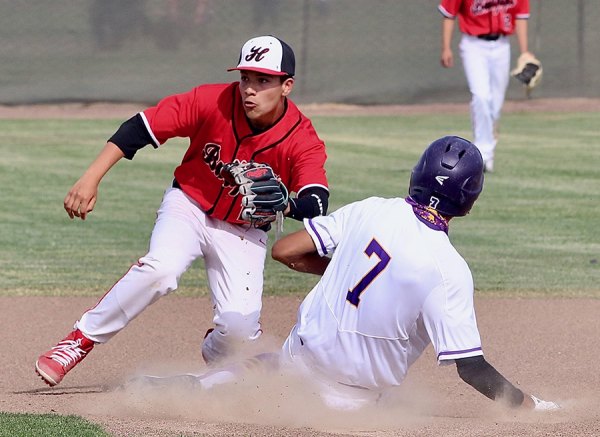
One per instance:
(428,215)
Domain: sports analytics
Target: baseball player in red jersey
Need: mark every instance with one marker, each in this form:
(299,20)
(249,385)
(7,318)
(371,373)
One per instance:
(249,120)
(485,52)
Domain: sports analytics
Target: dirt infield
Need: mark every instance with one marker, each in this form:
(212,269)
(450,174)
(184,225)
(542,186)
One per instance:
(548,347)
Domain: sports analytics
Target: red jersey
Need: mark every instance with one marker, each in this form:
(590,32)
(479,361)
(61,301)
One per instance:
(481,17)
(213,118)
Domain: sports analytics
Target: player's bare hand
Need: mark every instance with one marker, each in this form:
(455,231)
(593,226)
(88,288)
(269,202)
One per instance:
(447,58)
(81,198)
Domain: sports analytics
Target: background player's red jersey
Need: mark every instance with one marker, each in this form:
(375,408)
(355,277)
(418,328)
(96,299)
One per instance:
(481,17)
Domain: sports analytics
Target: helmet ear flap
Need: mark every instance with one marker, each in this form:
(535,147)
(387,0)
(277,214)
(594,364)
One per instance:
(473,184)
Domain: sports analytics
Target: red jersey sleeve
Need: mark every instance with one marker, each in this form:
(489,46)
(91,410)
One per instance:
(449,8)
(309,168)
(178,115)
(521,9)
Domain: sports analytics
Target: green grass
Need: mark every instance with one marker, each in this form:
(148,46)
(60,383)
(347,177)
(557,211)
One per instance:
(47,425)
(533,231)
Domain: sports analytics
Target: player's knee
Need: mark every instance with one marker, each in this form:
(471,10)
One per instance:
(239,327)
(233,333)
(482,100)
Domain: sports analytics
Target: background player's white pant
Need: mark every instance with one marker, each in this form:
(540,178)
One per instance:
(234,258)
(487,68)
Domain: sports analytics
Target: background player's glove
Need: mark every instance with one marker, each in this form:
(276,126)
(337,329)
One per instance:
(264,195)
(528,70)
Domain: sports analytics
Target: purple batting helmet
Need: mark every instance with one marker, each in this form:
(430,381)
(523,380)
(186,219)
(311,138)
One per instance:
(448,177)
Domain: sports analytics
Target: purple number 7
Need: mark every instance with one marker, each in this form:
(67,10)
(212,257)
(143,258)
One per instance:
(374,247)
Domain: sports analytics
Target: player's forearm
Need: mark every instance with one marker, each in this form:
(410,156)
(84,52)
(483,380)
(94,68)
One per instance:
(447,30)
(484,378)
(298,252)
(521,26)
(105,160)
(312,263)
(81,198)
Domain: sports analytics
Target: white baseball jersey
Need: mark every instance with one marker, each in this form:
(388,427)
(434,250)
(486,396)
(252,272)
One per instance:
(393,285)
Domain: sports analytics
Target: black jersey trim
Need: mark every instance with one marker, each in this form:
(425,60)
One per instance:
(276,143)
(132,136)
(312,202)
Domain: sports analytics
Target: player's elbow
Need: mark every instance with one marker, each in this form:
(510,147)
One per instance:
(286,253)
(281,252)
(295,250)
(292,246)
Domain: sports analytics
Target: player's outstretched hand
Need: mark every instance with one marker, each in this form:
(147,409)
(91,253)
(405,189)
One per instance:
(81,198)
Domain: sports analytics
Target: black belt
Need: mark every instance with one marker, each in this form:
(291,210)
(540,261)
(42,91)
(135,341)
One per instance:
(176,184)
(490,36)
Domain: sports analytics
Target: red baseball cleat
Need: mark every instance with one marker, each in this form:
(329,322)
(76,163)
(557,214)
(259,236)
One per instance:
(58,361)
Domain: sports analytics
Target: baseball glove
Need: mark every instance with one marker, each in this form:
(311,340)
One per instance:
(263,193)
(528,70)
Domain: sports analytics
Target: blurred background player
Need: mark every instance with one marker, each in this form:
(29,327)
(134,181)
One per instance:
(249,120)
(485,52)
(391,284)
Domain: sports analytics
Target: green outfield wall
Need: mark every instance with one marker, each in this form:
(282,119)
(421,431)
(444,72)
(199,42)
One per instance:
(348,51)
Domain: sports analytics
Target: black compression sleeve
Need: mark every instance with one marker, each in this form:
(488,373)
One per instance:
(310,203)
(132,136)
(482,376)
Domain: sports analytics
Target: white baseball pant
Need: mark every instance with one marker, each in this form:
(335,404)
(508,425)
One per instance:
(487,68)
(234,257)
(335,395)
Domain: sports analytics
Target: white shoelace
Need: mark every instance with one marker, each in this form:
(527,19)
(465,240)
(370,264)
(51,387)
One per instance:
(67,352)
